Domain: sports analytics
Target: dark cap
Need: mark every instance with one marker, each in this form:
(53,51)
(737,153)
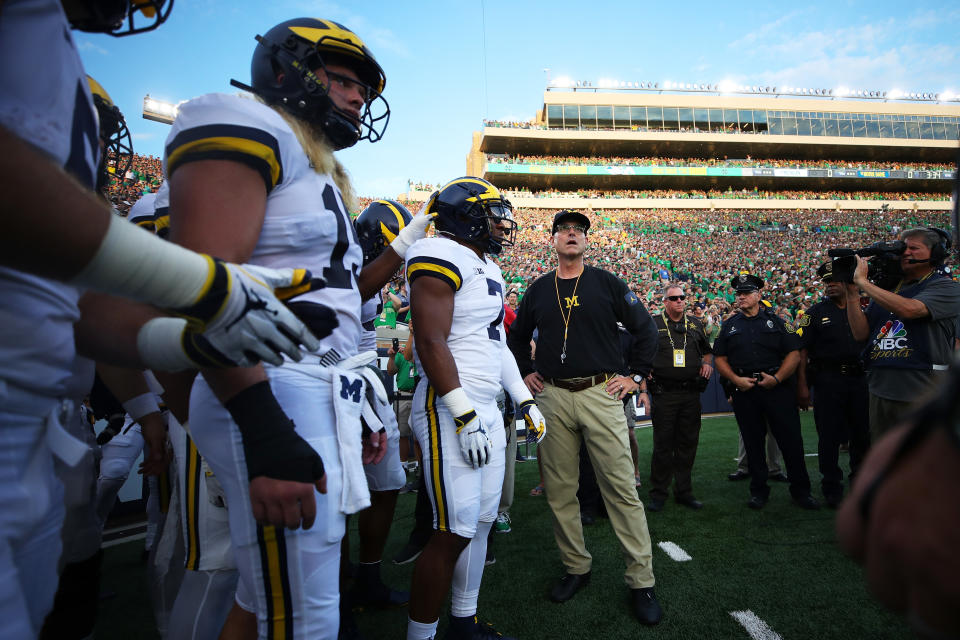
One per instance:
(568,215)
(825,271)
(746,282)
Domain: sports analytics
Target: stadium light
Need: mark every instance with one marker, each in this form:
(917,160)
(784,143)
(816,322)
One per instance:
(729,87)
(159,111)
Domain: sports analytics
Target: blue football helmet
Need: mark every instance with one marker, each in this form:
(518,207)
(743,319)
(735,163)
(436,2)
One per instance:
(470,208)
(283,73)
(378,225)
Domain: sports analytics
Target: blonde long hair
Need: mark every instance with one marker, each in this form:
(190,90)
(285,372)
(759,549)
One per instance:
(315,144)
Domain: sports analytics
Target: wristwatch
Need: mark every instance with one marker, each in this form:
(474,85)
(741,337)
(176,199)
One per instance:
(639,380)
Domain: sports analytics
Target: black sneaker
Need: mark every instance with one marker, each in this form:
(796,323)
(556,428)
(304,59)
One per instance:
(409,553)
(477,631)
(645,606)
(379,596)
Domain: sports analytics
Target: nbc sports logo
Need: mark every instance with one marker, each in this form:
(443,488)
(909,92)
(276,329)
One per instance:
(892,335)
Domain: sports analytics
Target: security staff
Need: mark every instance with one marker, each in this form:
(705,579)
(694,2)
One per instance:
(681,370)
(576,309)
(836,376)
(758,353)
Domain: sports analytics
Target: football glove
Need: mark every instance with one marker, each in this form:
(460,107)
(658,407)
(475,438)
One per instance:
(169,344)
(475,446)
(416,230)
(536,425)
(238,313)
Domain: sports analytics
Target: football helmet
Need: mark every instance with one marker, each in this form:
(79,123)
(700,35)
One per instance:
(114,136)
(117,17)
(283,72)
(469,209)
(378,225)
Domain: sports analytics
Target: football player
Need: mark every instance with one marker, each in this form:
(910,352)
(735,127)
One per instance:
(255,179)
(456,296)
(60,238)
(376,227)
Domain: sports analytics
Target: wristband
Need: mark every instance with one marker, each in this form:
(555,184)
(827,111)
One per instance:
(159,343)
(457,402)
(776,378)
(141,405)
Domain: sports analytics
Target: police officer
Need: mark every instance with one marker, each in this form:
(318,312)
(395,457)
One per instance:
(681,369)
(758,353)
(836,376)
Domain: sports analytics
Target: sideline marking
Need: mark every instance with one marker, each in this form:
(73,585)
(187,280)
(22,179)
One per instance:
(674,551)
(112,543)
(756,627)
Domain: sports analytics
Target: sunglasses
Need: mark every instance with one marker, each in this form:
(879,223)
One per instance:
(676,298)
(571,227)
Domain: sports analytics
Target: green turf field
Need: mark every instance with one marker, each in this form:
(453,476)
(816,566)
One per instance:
(781,563)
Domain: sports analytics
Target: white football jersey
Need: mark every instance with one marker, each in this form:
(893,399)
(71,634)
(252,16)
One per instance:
(477,337)
(306,224)
(44,99)
(142,209)
(368,313)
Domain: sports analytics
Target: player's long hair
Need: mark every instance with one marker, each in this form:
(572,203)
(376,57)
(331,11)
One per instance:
(315,144)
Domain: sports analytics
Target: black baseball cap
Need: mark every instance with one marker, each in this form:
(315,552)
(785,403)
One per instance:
(746,282)
(568,215)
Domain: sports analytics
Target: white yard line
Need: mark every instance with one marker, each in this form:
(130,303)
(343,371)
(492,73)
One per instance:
(757,628)
(674,551)
(115,542)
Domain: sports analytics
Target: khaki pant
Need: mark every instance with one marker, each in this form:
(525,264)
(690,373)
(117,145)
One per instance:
(885,414)
(506,496)
(596,418)
(774,457)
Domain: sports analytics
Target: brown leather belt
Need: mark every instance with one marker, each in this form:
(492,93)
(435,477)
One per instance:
(579,384)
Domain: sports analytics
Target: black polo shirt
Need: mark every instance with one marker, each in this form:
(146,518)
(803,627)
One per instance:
(593,345)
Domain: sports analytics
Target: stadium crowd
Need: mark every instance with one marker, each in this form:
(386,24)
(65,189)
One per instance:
(767,163)
(729,194)
(702,249)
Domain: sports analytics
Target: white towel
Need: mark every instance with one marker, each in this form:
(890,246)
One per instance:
(354,388)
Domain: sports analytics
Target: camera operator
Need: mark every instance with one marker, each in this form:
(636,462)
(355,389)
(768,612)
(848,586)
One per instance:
(910,328)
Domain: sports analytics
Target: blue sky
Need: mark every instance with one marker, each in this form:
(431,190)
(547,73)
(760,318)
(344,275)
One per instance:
(449,64)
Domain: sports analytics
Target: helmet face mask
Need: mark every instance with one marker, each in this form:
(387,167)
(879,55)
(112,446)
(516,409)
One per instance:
(117,17)
(285,68)
(378,225)
(474,211)
(114,136)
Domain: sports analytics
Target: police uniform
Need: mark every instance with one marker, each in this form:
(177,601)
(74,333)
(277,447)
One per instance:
(45,99)
(836,376)
(676,387)
(461,495)
(759,343)
(289,577)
